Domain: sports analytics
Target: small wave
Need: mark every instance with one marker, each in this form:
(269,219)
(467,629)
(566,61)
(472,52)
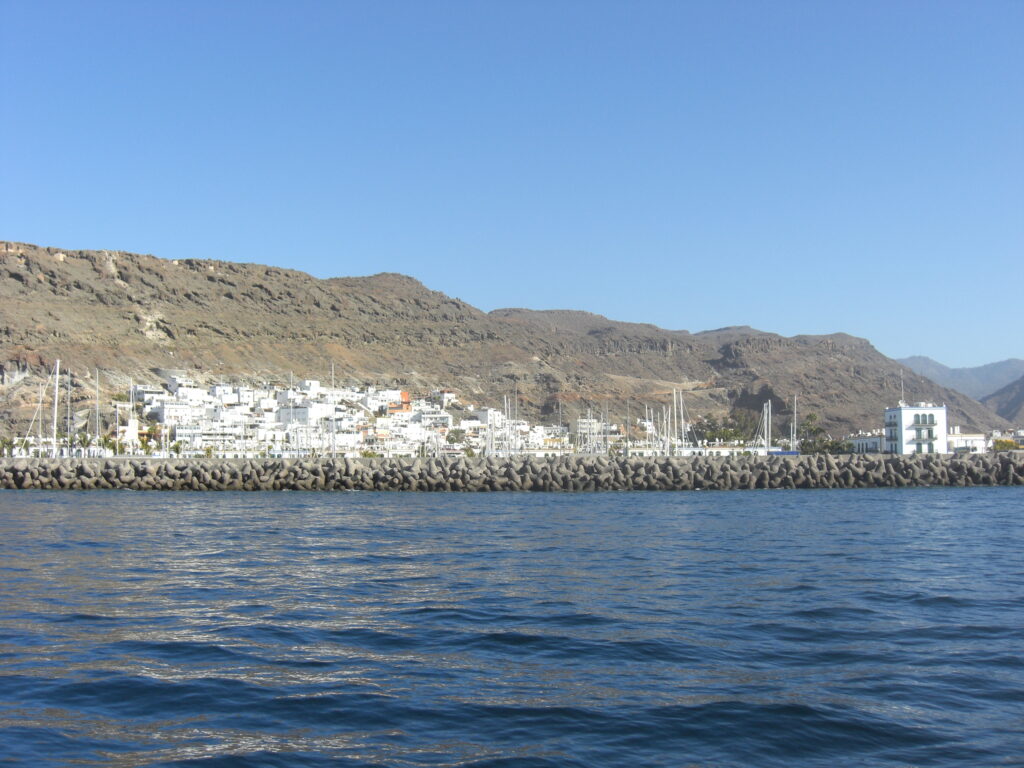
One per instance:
(941,601)
(927,634)
(780,732)
(176,650)
(267,634)
(285,758)
(82,617)
(829,613)
(38,745)
(452,615)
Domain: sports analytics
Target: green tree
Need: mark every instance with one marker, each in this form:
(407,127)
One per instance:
(814,439)
(810,434)
(736,426)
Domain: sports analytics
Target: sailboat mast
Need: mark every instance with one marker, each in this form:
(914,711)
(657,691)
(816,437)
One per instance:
(670,429)
(42,415)
(627,427)
(334,418)
(56,400)
(682,419)
(68,427)
(792,428)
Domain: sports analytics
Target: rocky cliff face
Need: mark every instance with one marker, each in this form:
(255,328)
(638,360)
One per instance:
(129,315)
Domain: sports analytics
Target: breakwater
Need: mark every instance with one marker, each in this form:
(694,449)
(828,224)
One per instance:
(567,473)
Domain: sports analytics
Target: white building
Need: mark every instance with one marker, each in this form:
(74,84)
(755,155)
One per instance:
(965,442)
(917,428)
(868,442)
(375,399)
(173,413)
(490,418)
(146,393)
(175,382)
(433,418)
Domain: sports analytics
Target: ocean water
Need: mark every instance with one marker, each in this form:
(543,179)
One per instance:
(788,628)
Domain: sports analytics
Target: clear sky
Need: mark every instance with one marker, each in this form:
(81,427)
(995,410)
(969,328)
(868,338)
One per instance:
(801,167)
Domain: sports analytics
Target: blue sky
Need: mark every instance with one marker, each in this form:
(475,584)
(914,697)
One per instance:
(801,167)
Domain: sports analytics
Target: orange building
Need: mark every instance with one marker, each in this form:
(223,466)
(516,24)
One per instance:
(403,406)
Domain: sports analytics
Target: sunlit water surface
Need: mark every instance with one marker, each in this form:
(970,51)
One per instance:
(876,627)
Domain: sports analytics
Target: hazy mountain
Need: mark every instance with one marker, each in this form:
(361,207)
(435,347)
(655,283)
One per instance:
(130,315)
(1008,402)
(977,382)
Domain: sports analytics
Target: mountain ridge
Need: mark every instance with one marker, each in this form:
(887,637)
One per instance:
(977,381)
(130,314)
(1008,402)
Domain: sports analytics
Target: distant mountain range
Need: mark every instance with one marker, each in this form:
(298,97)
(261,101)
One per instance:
(1008,402)
(131,315)
(978,382)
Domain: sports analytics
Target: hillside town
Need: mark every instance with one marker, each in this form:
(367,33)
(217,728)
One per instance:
(307,419)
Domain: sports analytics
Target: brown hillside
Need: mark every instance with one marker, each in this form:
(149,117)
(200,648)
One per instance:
(1008,402)
(129,315)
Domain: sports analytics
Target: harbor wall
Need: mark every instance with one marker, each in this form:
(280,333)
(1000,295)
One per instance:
(569,473)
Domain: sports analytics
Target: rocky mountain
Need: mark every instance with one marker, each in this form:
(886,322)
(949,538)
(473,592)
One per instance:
(132,315)
(1008,402)
(978,382)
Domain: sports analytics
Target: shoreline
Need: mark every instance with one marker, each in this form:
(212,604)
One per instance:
(573,473)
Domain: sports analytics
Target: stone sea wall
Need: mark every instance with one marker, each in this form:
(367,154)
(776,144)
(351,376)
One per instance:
(574,473)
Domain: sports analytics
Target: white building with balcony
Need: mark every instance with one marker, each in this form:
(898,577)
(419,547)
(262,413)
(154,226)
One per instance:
(917,428)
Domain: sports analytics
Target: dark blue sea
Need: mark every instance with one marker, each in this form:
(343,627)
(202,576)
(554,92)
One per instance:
(757,628)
